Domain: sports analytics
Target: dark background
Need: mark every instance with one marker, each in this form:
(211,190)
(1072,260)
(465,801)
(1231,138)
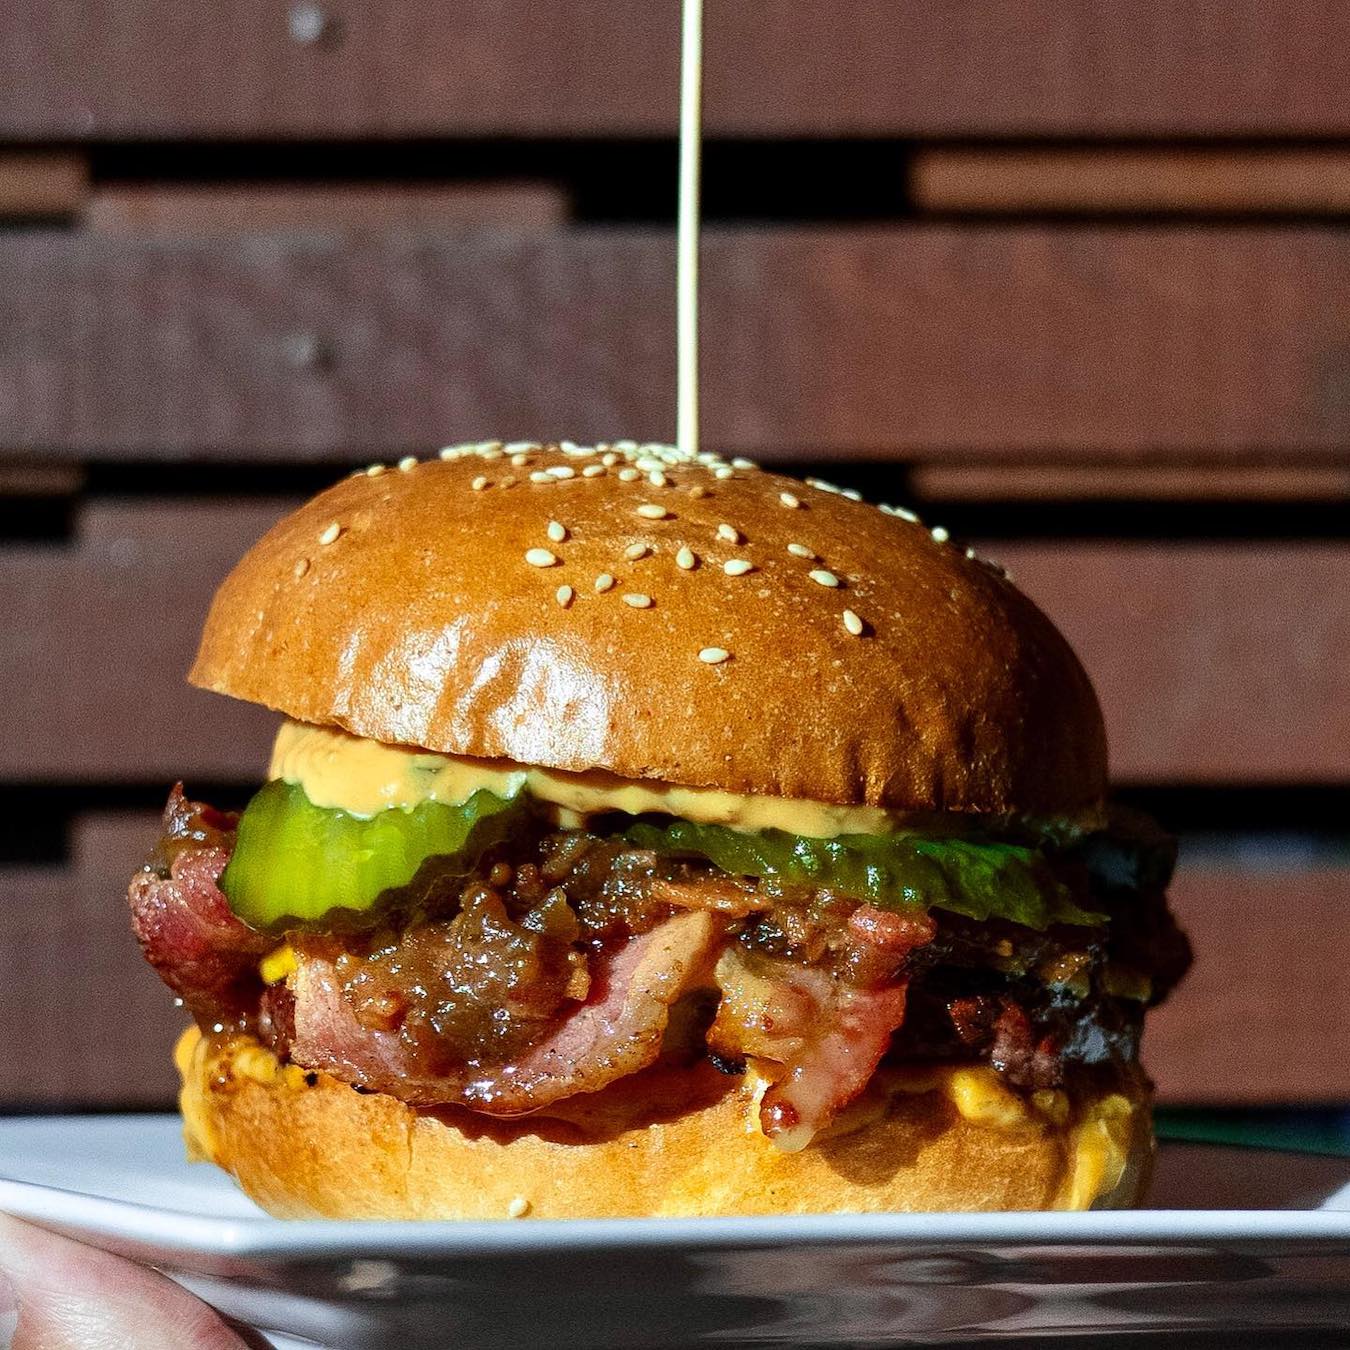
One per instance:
(1074,279)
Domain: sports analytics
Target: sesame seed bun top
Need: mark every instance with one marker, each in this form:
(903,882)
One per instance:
(702,623)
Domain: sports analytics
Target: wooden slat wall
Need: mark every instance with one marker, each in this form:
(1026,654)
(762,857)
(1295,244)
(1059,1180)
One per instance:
(776,67)
(923,341)
(1079,289)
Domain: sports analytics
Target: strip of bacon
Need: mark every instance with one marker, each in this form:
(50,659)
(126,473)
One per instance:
(826,1036)
(615,1032)
(187,930)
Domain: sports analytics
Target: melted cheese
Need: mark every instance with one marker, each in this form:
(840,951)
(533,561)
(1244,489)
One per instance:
(1099,1148)
(363,777)
(278,964)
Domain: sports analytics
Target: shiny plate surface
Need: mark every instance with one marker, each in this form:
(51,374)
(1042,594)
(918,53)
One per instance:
(1243,1240)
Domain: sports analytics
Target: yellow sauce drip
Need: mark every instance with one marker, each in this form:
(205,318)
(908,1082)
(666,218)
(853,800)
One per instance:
(363,777)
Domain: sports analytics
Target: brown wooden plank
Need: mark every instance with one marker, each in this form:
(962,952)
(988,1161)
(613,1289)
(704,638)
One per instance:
(1011,481)
(1265,1013)
(1198,179)
(42,185)
(925,342)
(82,1018)
(802,67)
(31,478)
(99,638)
(1263,1017)
(214,211)
(1211,662)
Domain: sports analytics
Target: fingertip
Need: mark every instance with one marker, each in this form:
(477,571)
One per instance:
(73,1296)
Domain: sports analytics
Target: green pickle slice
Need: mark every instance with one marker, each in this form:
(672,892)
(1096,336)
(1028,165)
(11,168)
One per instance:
(982,879)
(296,863)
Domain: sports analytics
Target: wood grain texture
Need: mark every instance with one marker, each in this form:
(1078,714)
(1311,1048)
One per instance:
(96,1025)
(933,342)
(1056,482)
(215,211)
(1196,179)
(41,185)
(83,1019)
(1215,663)
(803,67)
(1265,1012)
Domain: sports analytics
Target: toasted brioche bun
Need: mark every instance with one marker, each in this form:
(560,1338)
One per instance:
(682,1143)
(402,608)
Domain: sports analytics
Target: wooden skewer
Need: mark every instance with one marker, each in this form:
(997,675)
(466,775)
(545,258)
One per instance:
(691,135)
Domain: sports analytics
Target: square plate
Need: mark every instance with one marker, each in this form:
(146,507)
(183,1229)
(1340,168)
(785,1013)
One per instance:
(1194,1272)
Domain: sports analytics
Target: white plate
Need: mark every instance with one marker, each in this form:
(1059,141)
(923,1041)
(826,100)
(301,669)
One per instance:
(1199,1268)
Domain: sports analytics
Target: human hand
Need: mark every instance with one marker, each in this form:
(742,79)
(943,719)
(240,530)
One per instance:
(66,1296)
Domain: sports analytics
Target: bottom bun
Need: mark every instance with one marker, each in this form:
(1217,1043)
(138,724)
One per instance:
(672,1142)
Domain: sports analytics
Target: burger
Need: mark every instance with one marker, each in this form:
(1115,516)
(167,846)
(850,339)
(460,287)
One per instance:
(651,834)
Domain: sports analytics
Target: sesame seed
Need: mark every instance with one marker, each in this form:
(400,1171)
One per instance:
(626,446)
(330,533)
(739,463)
(714,656)
(593,471)
(628,475)
(687,559)
(562,471)
(698,490)
(853,623)
(451,451)
(801,551)
(518,1208)
(635,551)
(375,471)
(604,582)
(724,471)
(301,567)
(737,567)
(971,554)
(407,464)
(490,450)
(789,500)
(609,459)
(540,557)
(557,531)
(479,483)
(637,600)
(851,494)
(656,478)
(900,513)
(572,448)
(730,533)
(940,535)
(519,447)
(823,578)
(520,459)
(651,511)
(822,486)
(649,465)
(564,595)
(540,476)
